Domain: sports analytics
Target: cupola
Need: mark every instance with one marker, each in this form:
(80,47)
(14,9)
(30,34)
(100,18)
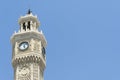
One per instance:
(29,22)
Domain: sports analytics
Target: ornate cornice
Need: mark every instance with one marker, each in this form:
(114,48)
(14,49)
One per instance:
(27,35)
(28,59)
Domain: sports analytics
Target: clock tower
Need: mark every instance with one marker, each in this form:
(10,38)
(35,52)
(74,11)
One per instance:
(28,49)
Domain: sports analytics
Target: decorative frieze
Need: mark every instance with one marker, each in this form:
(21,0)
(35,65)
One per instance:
(35,71)
(24,72)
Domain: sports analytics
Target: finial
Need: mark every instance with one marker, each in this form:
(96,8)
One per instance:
(29,11)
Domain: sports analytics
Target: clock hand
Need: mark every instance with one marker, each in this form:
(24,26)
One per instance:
(24,46)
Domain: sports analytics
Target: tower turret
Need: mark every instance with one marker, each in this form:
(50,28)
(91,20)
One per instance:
(28,53)
(29,22)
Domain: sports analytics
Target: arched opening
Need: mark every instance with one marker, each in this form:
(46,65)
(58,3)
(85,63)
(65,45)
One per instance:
(28,27)
(24,27)
(43,51)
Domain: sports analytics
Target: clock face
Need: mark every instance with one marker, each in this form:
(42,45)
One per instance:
(23,45)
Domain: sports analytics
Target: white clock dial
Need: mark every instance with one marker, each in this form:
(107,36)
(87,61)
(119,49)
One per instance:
(23,46)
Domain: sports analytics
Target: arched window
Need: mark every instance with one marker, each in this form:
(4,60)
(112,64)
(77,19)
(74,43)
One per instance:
(43,51)
(24,27)
(28,27)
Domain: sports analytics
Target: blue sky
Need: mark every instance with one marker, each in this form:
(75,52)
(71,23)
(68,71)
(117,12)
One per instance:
(83,37)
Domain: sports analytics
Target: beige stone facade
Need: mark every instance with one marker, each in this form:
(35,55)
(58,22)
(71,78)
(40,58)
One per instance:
(28,55)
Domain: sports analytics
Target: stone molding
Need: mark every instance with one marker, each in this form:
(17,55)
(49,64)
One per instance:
(29,59)
(27,35)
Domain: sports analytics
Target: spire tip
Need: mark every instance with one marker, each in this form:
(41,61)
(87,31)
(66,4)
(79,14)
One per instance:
(29,11)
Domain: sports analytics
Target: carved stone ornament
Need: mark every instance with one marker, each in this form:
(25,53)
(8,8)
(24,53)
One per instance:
(24,72)
(36,46)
